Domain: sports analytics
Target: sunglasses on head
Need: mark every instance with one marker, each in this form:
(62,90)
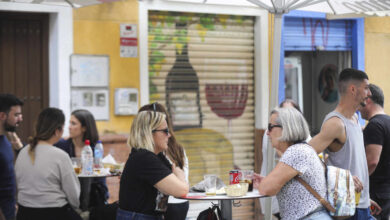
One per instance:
(271,126)
(166,130)
(154,105)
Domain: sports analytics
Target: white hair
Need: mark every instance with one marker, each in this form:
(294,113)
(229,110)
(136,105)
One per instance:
(295,128)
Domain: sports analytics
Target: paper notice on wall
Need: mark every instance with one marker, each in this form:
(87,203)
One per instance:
(94,100)
(128,40)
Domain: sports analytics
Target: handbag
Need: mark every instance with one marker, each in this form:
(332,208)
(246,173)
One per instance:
(104,212)
(210,214)
(97,196)
(340,192)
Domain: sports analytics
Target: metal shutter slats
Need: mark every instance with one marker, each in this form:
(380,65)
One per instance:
(219,50)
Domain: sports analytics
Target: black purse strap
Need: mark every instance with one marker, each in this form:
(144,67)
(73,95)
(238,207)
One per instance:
(219,213)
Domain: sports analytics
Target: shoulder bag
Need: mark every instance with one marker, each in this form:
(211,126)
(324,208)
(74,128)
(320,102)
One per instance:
(340,192)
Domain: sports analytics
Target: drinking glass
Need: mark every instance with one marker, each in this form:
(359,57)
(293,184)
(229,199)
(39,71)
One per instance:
(357,197)
(210,184)
(247,177)
(76,163)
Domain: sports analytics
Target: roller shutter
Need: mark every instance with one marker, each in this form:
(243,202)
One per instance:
(201,69)
(307,34)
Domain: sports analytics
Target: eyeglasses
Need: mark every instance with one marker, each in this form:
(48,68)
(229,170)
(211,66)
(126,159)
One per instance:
(271,126)
(166,131)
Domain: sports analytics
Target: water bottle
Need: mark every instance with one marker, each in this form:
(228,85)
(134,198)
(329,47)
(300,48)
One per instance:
(87,159)
(99,154)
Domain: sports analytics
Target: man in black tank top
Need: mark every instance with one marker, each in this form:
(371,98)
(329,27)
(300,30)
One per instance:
(377,143)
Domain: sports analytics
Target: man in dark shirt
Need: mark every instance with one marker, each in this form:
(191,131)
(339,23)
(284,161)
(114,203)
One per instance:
(377,144)
(10,118)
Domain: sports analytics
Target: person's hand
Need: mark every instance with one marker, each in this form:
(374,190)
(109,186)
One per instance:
(179,173)
(256,180)
(14,140)
(358,184)
(375,208)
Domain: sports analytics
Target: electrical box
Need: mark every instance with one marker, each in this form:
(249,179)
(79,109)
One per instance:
(126,101)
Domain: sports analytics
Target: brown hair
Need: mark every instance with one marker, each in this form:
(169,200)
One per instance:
(87,120)
(175,151)
(292,102)
(49,121)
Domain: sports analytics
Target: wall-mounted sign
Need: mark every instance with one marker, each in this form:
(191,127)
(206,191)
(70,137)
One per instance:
(94,100)
(126,101)
(128,40)
(89,70)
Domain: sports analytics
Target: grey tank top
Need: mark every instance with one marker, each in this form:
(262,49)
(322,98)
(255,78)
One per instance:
(352,156)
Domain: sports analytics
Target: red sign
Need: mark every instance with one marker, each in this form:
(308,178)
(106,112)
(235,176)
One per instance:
(128,41)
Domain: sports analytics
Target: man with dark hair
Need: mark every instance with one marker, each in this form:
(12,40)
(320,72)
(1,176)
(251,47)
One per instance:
(341,135)
(377,143)
(10,118)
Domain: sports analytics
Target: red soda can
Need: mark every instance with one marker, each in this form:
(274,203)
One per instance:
(234,177)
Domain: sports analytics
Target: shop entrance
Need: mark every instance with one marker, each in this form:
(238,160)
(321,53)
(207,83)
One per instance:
(24,63)
(311,80)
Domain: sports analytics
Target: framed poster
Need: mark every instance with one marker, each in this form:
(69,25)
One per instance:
(89,70)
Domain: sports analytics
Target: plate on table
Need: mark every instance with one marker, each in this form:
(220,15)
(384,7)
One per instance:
(221,191)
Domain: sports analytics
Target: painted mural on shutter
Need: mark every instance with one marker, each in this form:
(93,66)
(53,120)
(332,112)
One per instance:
(201,70)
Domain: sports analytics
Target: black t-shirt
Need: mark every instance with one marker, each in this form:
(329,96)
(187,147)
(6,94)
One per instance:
(142,171)
(377,131)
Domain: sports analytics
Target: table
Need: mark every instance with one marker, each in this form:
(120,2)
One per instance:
(225,201)
(85,186)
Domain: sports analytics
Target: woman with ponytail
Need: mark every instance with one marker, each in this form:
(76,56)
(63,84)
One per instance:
(47,185)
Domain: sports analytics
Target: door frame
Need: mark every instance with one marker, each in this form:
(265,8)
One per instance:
(60,49)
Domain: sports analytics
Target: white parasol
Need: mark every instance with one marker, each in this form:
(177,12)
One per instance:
(72,3)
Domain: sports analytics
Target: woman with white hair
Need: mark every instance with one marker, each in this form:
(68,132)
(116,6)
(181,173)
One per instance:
(287,131)
(148,178)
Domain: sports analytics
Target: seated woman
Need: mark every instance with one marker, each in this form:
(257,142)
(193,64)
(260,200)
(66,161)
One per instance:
(82,126)
(47,185)
(148,178)
(287,131)
(177,208)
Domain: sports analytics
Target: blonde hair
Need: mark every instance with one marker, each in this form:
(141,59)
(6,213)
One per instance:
(141,132)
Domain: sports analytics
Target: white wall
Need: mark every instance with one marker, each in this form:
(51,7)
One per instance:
(60,49)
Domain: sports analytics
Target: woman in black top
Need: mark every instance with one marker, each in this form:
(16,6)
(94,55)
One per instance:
(82,126)
(177,208)
(148,178)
